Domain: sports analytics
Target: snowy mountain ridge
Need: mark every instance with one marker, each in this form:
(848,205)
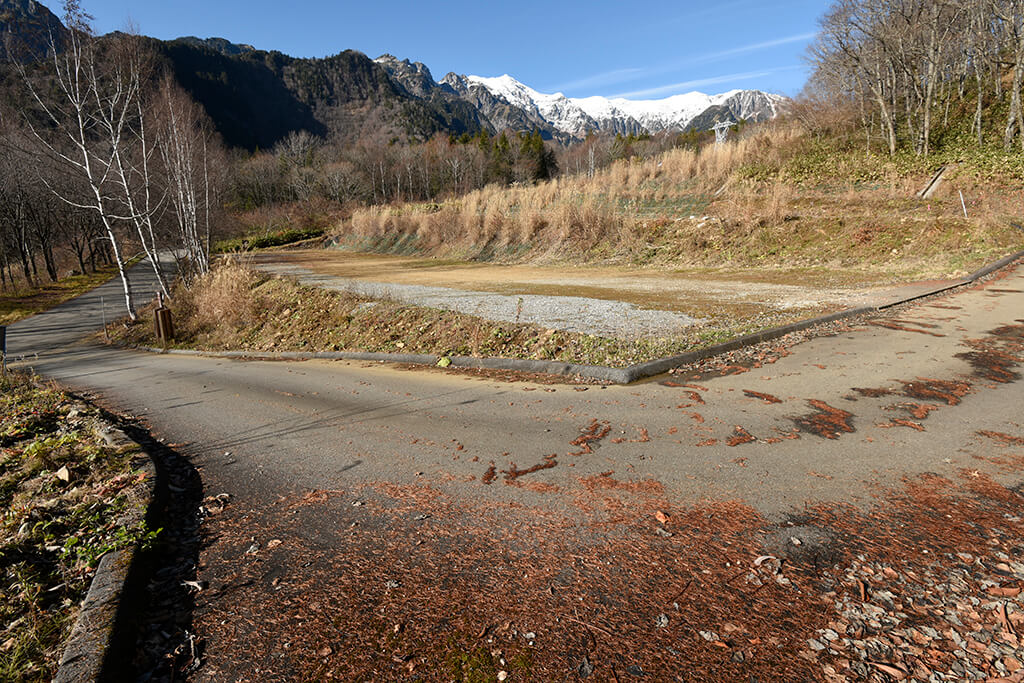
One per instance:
(576,116)
(504,103)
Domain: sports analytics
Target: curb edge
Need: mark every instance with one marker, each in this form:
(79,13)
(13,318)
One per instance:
(91,639)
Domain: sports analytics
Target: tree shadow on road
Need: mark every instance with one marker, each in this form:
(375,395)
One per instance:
(154,640)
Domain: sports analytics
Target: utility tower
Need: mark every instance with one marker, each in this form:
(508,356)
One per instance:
(722,131)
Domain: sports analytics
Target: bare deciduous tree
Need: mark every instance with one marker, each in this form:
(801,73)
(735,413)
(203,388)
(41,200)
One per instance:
(88,124)
(185,141)
(911,58)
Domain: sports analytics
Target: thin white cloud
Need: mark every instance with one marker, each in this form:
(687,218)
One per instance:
(684,86)
(634,74)
(754,47)
(606,78)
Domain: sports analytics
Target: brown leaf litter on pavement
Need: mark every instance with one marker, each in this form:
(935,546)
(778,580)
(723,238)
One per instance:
(996,356)
(415,585)
(590,436)
(916,410)
(1005,439)
(739,437)
(904,326)
(924,389)
(767,398)
(901,422)
(826,421)
(513,472)
(875,392)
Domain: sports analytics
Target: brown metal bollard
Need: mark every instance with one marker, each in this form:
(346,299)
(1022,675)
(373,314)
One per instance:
(164,326)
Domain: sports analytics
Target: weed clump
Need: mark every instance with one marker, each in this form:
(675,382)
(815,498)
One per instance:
(67,498)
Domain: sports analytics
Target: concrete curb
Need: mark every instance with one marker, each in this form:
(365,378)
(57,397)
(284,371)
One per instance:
(92,636)
(626,375)
(617,375)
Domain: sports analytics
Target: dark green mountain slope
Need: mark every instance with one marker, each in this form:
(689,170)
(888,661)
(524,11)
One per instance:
(256,98)
(26,29)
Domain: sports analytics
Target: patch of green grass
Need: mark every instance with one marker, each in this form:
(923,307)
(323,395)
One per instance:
(20,304)
(471,666)
(67,498)
(277,238)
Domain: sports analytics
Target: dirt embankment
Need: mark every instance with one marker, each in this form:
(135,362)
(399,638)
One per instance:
(71,493)
(237,308)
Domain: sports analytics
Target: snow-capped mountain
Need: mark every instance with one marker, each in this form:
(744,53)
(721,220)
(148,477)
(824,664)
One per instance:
(576,116)
(505,103)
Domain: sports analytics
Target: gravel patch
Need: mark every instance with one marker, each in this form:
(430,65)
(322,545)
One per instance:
(570,313)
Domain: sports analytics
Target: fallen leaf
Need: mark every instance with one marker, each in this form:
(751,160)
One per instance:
(661,517)
(1004,618)
(63,474)
(897,673)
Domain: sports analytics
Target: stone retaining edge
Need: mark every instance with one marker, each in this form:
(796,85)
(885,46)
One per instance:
(91,639)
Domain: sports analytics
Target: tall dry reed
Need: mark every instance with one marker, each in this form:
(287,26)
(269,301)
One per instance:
(573,213)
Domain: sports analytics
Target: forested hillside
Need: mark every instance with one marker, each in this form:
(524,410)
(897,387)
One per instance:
(911,69)
(257,98)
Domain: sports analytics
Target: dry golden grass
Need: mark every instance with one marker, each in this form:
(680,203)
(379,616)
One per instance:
(731,204)
(221,297)
(237,309)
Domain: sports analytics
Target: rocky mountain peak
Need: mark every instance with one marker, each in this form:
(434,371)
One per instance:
(415,77)
(27,30)
(575,117)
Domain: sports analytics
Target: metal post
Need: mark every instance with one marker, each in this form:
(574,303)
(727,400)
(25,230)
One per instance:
(103,313)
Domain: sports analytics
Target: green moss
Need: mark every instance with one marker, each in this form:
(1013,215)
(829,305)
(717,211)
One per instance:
(471,666)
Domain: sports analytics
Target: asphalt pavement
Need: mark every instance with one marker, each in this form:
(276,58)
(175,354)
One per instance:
(842,419)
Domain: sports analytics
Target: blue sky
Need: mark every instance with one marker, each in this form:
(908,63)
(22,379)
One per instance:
(644,50)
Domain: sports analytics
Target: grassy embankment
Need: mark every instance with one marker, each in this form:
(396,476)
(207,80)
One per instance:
(21,303)
(238,308)
(780,204)
(778,199)
(68,497)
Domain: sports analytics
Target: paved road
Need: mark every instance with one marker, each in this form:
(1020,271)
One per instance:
(331,462)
